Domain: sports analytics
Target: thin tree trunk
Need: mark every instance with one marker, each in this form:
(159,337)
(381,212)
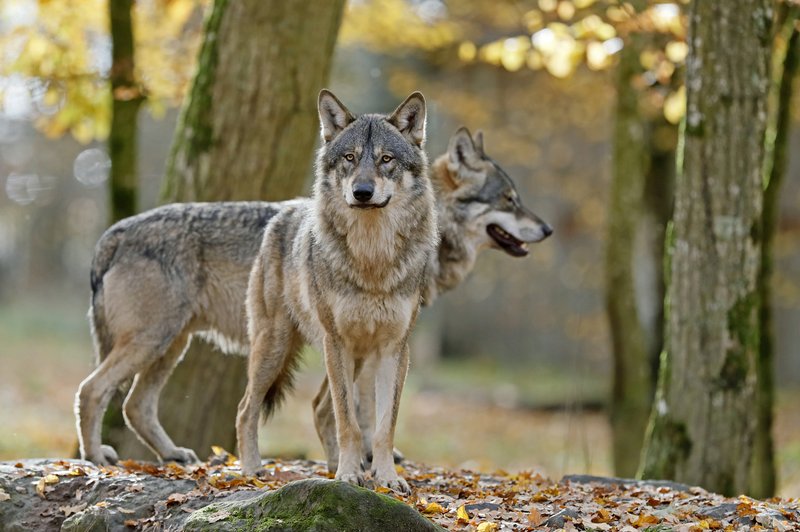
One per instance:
(123,147)
(702,427)
(126,100)
(631,391)
(763,463)
(247,131)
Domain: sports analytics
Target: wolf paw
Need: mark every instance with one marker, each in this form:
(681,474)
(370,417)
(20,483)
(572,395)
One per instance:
(181,455)
(394,483)
(353,478)
(109,454)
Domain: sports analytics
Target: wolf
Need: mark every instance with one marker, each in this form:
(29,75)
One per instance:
(182,269)
(478,208)
(345,272)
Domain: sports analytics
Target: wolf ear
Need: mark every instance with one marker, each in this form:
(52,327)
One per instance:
(477,140)
(462,150)
(333,115)
(409,118)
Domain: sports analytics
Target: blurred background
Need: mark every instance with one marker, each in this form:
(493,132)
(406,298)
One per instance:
(512,369)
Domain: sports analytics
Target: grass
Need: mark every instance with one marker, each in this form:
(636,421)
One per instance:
(476,414)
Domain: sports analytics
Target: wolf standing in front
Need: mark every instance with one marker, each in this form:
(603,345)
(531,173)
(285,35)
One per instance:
(345,272)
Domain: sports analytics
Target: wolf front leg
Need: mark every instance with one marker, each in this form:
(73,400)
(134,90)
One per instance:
(390,376)
(275,344)
(342,370)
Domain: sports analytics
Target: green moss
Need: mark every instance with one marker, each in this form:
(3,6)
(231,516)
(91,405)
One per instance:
(669,445)
(744,331)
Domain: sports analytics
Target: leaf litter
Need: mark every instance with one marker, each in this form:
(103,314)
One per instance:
(455,499)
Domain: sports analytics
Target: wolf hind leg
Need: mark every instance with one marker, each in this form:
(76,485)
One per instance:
(123,362)
(272,354)
(141,406)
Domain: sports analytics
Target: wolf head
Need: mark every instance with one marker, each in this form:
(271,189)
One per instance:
(371,161)
(486,198)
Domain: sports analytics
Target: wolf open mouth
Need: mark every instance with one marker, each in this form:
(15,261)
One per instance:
(507,242)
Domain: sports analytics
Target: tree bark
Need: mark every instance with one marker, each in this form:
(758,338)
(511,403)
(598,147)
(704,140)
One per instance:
(247,131)
(762,470)
(126,100)
(631,390)
(702,428)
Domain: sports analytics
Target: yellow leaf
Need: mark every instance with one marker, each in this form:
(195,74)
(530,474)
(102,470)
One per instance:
(219,451)
(434,508)
(50,479)
(462,515)
(487,527)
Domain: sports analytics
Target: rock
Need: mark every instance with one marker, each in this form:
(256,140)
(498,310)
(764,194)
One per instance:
(557,520)
(588,479)
(80,498)
(313,504)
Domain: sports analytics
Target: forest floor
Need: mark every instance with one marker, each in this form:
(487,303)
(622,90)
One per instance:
(144,496)
(474,415)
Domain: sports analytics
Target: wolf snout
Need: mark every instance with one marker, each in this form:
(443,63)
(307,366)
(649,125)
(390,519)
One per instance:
(547,230)
(363,191)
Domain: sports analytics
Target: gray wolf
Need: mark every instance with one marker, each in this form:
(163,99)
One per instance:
(478,208)
(159,277)
(345,272)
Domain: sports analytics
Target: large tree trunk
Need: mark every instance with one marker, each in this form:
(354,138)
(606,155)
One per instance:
(762,469)
(702,425)
(247,131)
(126,100)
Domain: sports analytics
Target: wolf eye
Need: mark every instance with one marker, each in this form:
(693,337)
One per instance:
(386,158)
(349,156)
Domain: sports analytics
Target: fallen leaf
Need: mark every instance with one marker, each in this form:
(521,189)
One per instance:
(131,522)
(434,508)
(487,527)
(40,487)
(601,516)
(644,520)
(462,516)
(19,465)
(72,509)
(50,479)
(534,517)
(176,498)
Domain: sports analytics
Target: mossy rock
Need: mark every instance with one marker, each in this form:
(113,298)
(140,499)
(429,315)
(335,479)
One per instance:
(311,505)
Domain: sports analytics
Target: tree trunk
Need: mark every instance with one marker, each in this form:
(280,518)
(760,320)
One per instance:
(631,389)
(126,99)
(247,131)
(702,428)
(762,472)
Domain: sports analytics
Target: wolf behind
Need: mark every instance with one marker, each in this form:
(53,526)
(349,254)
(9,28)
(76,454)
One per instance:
(345,271)
(182,269)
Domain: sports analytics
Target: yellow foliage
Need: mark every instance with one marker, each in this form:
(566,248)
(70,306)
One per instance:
(61,57)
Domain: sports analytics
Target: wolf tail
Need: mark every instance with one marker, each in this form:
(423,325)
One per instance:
(103,259)
(284,381)
(283,384)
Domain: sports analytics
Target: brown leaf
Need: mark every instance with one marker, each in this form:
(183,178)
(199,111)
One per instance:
(72,509)
(534,517)
(176,498)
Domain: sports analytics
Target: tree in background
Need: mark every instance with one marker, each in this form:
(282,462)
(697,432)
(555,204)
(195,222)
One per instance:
(701,430)
(126,99)
(785,65)
(247,131)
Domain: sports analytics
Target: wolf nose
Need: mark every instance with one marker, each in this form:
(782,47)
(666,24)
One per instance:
(363,191)
(547,230)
